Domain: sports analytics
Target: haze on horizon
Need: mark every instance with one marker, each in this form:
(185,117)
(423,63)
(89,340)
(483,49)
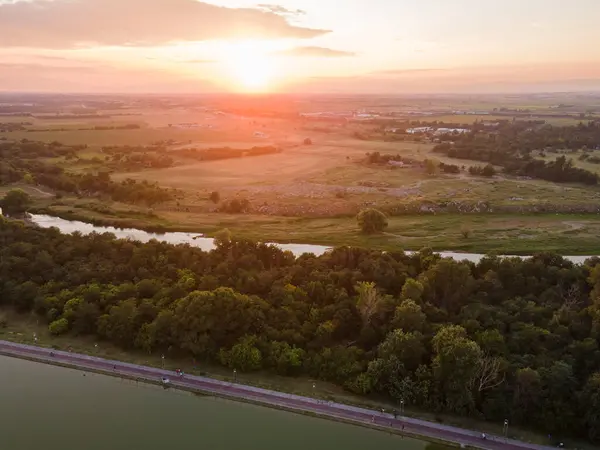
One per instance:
(299,46)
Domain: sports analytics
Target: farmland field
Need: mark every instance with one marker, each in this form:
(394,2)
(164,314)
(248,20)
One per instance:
(311,192)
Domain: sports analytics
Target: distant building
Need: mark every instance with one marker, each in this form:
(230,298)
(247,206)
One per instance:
(441,131)
(419,130)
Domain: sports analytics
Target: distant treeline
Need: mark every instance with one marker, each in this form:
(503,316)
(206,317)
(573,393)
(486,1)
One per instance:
(212,154)
(21,162)
(129,126)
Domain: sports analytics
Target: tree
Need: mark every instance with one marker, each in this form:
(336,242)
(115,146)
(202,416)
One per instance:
(368,301)
(16,201)
(488,171)
(590,401)
(372,221)
(215,197)
(307,141)
(409,316)
(285,358)
(243,356)
(488,374)
(406,347)
(412,290)
(58,327)
(455,364)
(222,238)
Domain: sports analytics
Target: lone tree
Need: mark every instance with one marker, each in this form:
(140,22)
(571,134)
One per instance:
(215,197)
(16,201)
(372,221)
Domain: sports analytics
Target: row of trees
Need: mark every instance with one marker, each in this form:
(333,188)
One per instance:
(512,145)
(560,170)
(213,154)
(502,338)
(21,162)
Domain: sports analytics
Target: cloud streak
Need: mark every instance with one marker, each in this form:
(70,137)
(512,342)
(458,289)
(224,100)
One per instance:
(61,24)
(277,9)
(315,52)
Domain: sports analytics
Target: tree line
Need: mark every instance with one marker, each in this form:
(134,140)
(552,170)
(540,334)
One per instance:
(561,170)
(24,162)
(504,338)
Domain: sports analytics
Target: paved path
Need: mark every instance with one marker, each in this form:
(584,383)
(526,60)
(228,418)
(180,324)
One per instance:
(288,401)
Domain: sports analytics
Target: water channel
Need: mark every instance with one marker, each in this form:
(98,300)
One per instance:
(194,239)
(54,408)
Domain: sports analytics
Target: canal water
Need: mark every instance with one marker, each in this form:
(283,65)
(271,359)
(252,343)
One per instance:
(54,408)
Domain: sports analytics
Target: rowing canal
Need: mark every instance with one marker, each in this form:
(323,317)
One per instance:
(54,408)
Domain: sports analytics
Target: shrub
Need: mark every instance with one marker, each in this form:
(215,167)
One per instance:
(466,232)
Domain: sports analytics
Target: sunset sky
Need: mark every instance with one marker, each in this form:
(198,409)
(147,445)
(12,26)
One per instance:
(362,46)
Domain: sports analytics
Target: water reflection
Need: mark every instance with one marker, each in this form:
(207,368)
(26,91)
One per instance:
(207,244)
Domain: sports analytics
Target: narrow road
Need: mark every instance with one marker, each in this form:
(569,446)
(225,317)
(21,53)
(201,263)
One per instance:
(267,397)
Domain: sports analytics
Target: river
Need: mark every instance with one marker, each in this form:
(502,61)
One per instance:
(195,239)
(54,408)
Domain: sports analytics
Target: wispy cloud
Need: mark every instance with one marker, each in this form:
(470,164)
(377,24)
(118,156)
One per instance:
(318,52)
(182,61)
(409,71)
(68,23)
(278,9)
(37,77)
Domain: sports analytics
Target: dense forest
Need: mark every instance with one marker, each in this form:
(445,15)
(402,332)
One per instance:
(23,161)
(504,338)
(511,146)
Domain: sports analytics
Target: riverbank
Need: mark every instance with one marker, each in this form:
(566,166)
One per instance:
(481,233)
(364,417)
(21,329)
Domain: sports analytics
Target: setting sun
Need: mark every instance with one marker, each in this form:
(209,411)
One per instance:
(250,67)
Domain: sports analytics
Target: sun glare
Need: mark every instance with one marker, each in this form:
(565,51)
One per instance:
(250,67)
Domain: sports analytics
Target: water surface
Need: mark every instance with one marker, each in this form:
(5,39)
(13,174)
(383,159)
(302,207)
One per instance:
(54,408)
(207,244)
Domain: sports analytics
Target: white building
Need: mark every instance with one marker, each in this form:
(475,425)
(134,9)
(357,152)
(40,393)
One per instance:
(419,130)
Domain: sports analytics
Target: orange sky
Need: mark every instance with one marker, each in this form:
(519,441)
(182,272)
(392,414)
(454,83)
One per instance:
(366,46)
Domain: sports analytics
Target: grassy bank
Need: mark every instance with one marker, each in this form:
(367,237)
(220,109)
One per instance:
(567,234)
(21,329)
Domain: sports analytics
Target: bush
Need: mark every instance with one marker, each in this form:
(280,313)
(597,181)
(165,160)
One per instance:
(372,221)
(466,232)
(431,167)
(235,206)
(488,171)
(307,141)
(215,197)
